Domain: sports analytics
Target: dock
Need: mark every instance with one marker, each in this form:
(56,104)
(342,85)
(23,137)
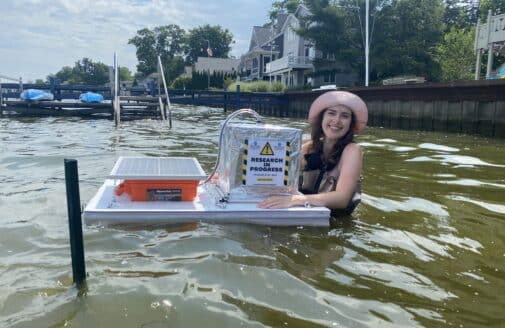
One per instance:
(131,108)
(138,103)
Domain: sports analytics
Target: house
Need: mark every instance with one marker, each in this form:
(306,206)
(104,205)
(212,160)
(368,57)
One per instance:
(278,53)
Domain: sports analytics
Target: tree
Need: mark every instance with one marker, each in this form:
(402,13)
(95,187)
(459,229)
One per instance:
(288,6)
(164,41)
(460,14)
(496,6)
(125,74)
(337,31)
(406,38)
(85,71)
(91,73)
(456,56)
(200,38)
(64,74)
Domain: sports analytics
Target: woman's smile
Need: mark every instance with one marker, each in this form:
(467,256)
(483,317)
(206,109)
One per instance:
(336,121)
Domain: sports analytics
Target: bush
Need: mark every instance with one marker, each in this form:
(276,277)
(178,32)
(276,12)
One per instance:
(182,82)
(229,81)
(257,86)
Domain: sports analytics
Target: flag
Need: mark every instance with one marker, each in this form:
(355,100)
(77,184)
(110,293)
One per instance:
(209,52)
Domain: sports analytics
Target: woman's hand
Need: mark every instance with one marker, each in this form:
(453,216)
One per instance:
(282,201)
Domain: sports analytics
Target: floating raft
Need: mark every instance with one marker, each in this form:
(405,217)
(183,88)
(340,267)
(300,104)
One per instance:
(107,207)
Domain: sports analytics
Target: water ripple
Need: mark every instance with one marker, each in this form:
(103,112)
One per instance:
(408,204)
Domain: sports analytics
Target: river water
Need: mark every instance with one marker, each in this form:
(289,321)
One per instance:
(426,248)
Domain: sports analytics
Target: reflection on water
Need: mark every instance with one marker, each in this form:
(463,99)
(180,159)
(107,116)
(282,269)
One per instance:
(425,247)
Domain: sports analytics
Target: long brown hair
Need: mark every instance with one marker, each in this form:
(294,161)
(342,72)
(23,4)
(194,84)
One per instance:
(317,137)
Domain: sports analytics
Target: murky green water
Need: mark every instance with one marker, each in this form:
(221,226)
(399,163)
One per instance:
(425,248)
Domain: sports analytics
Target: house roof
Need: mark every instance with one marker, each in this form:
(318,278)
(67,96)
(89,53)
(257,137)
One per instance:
(216,64)
(281,19)
(260,35)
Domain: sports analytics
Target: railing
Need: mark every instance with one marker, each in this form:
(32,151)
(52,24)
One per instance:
(289,61)
(10,79)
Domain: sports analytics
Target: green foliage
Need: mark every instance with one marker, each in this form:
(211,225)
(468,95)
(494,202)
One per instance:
(85,71)
(125,74)
(455,55)
(181,82)
(200,38)
(460,14)
(298,88)
(404,34)
(496,6)
(164,41)
(344,19)
(202,81)
(414,30)
(288,6)
(257,86)
(229,80)
(65,74)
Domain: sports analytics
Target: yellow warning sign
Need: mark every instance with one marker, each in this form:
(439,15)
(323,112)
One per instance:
(267,150)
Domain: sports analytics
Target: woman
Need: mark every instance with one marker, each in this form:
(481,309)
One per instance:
(331,161)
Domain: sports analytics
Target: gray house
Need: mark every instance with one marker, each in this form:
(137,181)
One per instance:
(278,53)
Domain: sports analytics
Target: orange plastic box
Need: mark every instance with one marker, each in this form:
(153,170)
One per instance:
(159,190)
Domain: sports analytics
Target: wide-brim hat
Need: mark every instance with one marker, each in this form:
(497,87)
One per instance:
(344,98)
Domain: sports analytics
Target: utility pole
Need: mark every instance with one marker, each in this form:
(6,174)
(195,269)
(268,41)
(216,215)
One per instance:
(367,6)
(271,56)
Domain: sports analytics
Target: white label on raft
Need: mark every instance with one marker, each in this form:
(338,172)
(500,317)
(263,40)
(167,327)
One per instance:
(265,162)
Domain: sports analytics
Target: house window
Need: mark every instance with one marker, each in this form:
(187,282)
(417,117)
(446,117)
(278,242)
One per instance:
(291,35)
(266,60)
(312,52)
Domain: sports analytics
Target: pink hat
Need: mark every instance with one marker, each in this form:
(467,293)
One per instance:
(344,98)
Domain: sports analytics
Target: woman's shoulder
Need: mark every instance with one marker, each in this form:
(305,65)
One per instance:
(352,149)
(307,147)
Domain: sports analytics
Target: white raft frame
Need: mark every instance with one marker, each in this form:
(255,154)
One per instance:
(105,208)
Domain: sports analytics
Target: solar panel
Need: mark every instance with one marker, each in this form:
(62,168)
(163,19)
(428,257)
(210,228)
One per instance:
(157,168)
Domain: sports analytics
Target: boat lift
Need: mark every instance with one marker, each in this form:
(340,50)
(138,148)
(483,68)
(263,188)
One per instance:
(163,101)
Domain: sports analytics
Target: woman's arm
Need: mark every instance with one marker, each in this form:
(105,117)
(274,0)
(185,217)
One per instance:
(350,170)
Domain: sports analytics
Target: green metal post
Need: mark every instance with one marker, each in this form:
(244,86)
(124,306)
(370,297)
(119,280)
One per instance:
(74,221)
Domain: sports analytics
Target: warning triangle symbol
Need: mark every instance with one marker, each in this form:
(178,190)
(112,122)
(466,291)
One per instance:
(267,150)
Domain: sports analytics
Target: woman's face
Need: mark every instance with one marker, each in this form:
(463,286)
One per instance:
(336,122)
